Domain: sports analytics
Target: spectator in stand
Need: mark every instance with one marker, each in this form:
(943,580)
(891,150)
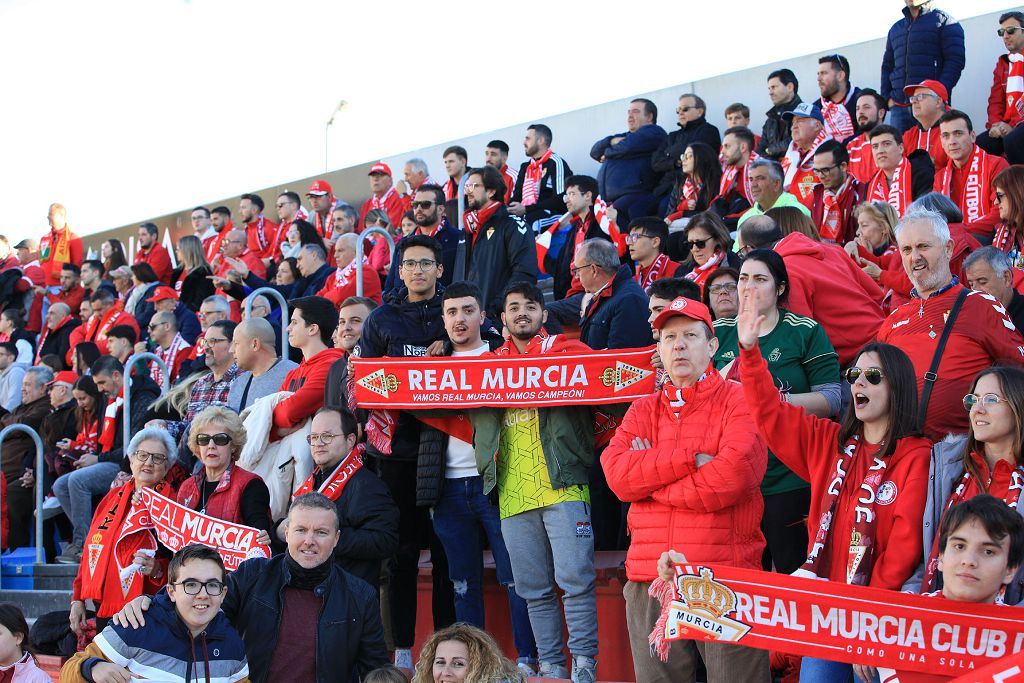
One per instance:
(344,219)
(94,471)
(989,270)
(69,291)
(33,283)
(463,653)
(838,101)
(496,155)
(321,199)
(191,279)
(408,225)
(675,450)
(166,299)
(836,194)
(56,336)
(766,178)
(12,329)
(12,373)
(734,195)
(876,252)
(145,285)
(168,344)
(289,209)
(980,334)
(92,277)
(1005,105)
(709,246)
(428,212)
(661,294)
(301,233)
(220,226)
(19,453)
(287,272)
(580,193)
(647,239)
(963,243)
(121,341)
(261,371)
(693,127)
(775,135)
(313,267)
(737,114)
(790,220)
(58,246)
(153,253)
(259,232)
(416,174)
(929,101)
(967,178)
(202,227)
(1009,235)
(121,278)
(612,312)
(238,257)
(870,112)
(850,314)
(212,309)
(341,284)
(899,179)
(379,254)
(82,358)
(626,178)
(113,255)
(507,253)
(720,293)
(456,161)
(698,185)
(808,133)
(925,44)
(384,196)
(351,316)
(537,197)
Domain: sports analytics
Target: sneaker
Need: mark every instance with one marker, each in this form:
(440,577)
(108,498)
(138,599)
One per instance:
(527,667)
(72,554)
(546,670)
(51,507)
(584,669)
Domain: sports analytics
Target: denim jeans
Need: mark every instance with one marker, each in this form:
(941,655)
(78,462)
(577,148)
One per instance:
(75,491)
(901,118)
(551,546)
(823,671)
(458,517)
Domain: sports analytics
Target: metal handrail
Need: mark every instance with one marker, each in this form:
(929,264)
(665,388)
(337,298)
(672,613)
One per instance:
(40,472)
(460,250)
(359,253)
(282,302)
(126,415)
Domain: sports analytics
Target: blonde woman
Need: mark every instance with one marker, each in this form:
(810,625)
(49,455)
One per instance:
(191,277)
(875,251)
(464,653)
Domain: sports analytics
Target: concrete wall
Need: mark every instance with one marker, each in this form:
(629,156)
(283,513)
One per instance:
(576,131)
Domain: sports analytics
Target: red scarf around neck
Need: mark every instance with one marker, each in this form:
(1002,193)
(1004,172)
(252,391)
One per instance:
(689,194)
(657,270)
(700,273)
(677,398)
(1008,240)
(831,221)
(1015,90)
(475,220)
(974,194)
(896,193)
(532,177)
(109,430)
(339,477)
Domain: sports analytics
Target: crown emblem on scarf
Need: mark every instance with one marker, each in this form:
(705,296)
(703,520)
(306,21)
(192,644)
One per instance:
(622,375)
(380,383)
(702,593)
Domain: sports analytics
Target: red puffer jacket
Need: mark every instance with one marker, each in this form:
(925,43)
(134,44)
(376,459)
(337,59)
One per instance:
(711,512)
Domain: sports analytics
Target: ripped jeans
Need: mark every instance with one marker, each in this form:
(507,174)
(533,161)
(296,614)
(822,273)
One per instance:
(459,516)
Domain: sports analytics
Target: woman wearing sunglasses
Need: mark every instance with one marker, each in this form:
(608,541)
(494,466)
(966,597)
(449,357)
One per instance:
(868,475)
(710,248)
(221,489)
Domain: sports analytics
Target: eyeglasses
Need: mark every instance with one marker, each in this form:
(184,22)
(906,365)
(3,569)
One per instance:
(825,169)
(632,237)
(220,439)
(1008,31)
(144,456)
(872,375)
(683,109)
(422,205)
(153,326)
(325,438)
(210,343)
(698,244)
(922,96)
(574,269)
(988,401)
(724,287)
(193,586)
(423,264)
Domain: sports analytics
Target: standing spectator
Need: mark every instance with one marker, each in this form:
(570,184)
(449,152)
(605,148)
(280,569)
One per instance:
(70,291)
(341,284)
(428,212)
(929,101)
(693,127)
(351,316)
(59,245)
(627,179)
(12,372)
(870,111)
(153,253)
(259,232)
(967,178)
(191,279)
(734,196)
(698,185)
(808,133)
(580,193)
(496,155)
(289,209)
(321,198)
(19,453)
(113,255)
(384,196)
(202,226)
(775,134)
(675,452)
(1006,99)
(925,44)
(986,270)
(836,194)
(455,160)
(33,282)
(899,180)
(261,370)
(537,197)
(838,101)
(220,226)
(766,190)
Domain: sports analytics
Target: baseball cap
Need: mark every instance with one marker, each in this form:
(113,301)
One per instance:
(64,377)
(806,110)
(120,272)
(685,307)
(380,167)
(319,188)
(27,243)
(939,89)
(163,293)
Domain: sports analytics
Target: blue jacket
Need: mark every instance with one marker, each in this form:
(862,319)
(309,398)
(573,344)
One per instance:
(188,323)
(931,46)
(627,165)
(620,320)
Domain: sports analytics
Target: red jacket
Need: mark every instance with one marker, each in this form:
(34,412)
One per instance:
(987,210)
(928,140)
(158,258)
(307,382)
(710,513)
(807,445)
(862,161)
(256,267)
(826,285)
(337,294)
(226,501)
(262,240)
(855,193)
(981,337)
(997,96)
(73,299)
(394,204)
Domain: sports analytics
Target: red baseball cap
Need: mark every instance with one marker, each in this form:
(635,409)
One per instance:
(162,293)
(64,377)
(686,307)
(319,188)
(380,167)
(939,89)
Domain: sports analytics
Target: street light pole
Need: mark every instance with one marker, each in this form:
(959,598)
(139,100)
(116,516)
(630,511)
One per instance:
(341,105)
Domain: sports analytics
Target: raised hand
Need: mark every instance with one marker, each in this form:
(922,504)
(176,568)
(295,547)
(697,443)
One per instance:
(748,321)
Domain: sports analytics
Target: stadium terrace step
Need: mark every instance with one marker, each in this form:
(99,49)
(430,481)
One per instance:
(58,577)
(36,603)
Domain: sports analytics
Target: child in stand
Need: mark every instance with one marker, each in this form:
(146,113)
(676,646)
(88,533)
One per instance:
(17,664)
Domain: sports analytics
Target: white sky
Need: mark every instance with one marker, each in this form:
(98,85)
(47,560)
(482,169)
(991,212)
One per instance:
(127,109)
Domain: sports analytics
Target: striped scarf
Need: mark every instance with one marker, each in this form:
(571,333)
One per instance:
(168,356)
(657,270)
(837,117)
(1015,90)
(898,192)
(830,227)
(532,178)
(973,197)
(381,202)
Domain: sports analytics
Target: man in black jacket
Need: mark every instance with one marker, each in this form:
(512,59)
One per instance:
(775,136)
(693,127)
(537,195)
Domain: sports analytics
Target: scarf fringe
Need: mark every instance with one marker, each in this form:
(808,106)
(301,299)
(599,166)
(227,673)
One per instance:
(663,592)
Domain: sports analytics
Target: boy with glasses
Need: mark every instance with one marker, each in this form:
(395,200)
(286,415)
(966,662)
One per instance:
(647,239)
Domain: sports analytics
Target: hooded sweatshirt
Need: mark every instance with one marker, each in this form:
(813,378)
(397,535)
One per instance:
(307,383)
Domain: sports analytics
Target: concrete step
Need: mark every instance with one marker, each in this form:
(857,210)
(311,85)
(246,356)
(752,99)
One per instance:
(54,576)
(37,602)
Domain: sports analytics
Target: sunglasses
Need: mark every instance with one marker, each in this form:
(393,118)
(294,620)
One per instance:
(698,244)
(422,205)
(988,401)
(1009,31)
(221,439)
(872,375)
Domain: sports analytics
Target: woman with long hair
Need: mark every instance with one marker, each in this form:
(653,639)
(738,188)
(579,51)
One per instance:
(791,219)
(379,255)
(702,174)
(89,406)
(113,256)
(84,355)
(287,272)
(192,276)
(17,656)
(710,247)
(145,283)
(1008,186)
(463,653)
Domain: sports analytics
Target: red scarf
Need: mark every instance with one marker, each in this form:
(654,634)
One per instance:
(261,231)
(87,438)
(657,270)
(56,246)
(830,220)
(325,226)
(677,398)
(799,167)
(837,118)
(896,193)
(339,478)
(1015,90)
(104,322)
(861,555)
(532,177)
(213,244)
(107,434)
(700,273)
(168,356)
(381,202)
(342,276)
(688,196)
(475,220)
(974,196)
(1008,240)
(729,179)
(46,333)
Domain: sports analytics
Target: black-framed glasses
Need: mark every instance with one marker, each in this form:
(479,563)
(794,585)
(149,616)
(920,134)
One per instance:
(698,244)
(324,438)
(422,205)
(574,269)
(632,237)
(988,401)
(872,375)
(193,586)
(825,169)
(210,343)
(1008,31)
(220,439)
(423,264)
(146,456)
(683,109)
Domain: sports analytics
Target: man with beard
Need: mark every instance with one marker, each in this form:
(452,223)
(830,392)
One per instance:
(455,163)
(838,98)
(351,315)
(734,196)
(580,193)
(428,212)
(154,253)
(870,111)
(341,284)
(496,155)
(537,196)
(259,232)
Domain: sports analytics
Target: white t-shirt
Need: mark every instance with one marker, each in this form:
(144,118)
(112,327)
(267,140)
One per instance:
(460,459)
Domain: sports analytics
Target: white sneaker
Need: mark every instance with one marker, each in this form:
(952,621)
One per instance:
(584,669)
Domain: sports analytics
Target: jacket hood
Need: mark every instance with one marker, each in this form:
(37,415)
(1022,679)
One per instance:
(325,357)
(797,244)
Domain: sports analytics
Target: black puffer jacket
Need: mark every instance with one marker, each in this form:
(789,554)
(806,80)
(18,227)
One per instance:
(775,135)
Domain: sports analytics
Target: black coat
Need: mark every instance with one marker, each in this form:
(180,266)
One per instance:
(58,342)
(196,286)
(503,253)
(369,526)
(775,135)
(620,320)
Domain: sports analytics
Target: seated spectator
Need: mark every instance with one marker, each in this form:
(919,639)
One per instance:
(351,316)
(89,404)
(259,232)
(18,454)
(379,253)
(416,174)
(737,114)
(300,233)
(341,284)
(12,329)
(153,253)
(12,373)
(734,195)
(496,155)
(456,161)
(929,101)
(463,653)
(383,195)
(612,313)
(790,219)
(1005,109)
(121,278)
(236,256)
(627,179)
(261,371)
(709,246)
(289,209)
(660,294)
(693,127)
(191,279)
(580,194)
(121,341)
(989,270)
(775,135)
(1009,190)
(144,284)
(166,299)
(808,133)
(19,650)
(838,103)
(287,272)
(899,179)
(698,185)
(875,251)
(979,333)
(184,621)
(70,291)
(113,255)
(322,201)
(428,213)
(871,109)
(967,178)
(720,293)
(963,242)
(169,345)
(647,239)
(56,337)
(766,178)
(836,194)
(537,196)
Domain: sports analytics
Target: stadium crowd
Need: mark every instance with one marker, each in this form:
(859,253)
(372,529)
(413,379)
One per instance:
(834,302)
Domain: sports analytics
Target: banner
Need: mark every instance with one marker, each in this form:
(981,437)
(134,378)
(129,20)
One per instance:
(839,622)
(178,526)
(598,377)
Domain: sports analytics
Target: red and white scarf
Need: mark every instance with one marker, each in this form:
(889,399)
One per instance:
(339,477)
(974,195)
(261,231)
(655,271)
(474,220)
(800,166)
(168,356)
(837,117)
(677,397)
(1015,89)
(108,433)
(830,220)
(105,322)
(381,201)
(532,178)
(342,276)
(87,438)
(897,193)
(700,273)
(325,226)
(861,550)
(46,333)
(1008,240)
(729,179)
(689,195)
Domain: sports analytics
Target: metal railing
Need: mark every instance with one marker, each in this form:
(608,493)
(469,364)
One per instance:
(126,414)
(39,474)
(359,253)
(282,302)
(460,251)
